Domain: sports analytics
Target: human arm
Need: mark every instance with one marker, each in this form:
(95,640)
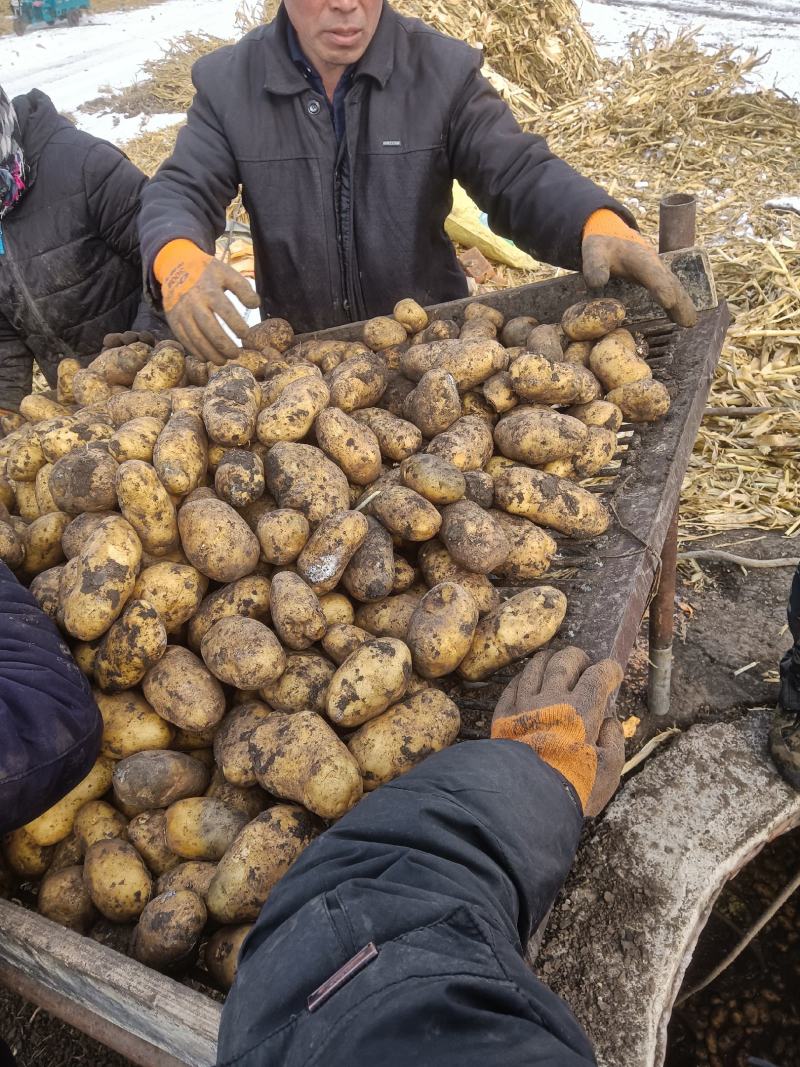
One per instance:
(16,367)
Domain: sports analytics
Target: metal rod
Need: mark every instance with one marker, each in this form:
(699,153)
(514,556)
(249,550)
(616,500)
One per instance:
(677,221)
(662,625)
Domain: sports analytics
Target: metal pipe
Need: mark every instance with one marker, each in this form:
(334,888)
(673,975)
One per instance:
(677,222)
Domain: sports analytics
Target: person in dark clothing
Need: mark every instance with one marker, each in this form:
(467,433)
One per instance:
(398,936)
(784,739)
(345,125)
(50,725)
(70,268)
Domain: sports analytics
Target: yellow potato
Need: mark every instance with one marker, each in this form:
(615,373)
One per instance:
(406,514)
(536,378)
(175,590)
(189,399)
(195,875)
(358,382)
(84,481)
(337,608)
(202,828)
(550,501)
(439,330)
(373,677)
(441,629)
(516,330)
(499,392)
(88,387)
(296,613)
(340,641)
(56,823)
(64,899)
(230,407)
(169,929)
(434,405)
(12,546)
(26,503)
(596,452)
(271,333)
(147,506)
(217,540)
(292,414)
(180,456)
(42,543)
(101,580)
(36,407)
(117,880)
(282,534)
(154,779)
(592,319)
(370,573)
(248,596)
(474,539)
(397,438)
(24,856)
(222,953)
(46,588)
(351,445)
(232,742)
(163,370)
(147,834)
(532,549)
(643,401)
(243,652)
(540,436)
(410,315)
(80,530)
(438,565)
(302,477)
(303,686)
(283,376)
(132,645)
(471,362)
(98,821)
(239,477)
(124,406)
(183,691)
(434,478)
(520,626)
(614,360)
(383,332)
(67,369)
(44,498)
(467,444)
(66,853)
(393,400)
(578,352)
(330,548)
(25,459)
(388,617)
(597,413)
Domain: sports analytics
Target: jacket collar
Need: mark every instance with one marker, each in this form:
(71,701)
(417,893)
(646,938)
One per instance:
(283,77)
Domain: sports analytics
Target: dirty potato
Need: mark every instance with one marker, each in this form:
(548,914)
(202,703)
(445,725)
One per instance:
(351,445)
(98,821)
(592,319)
(248,596)
(42,543)
(118,882)
(155,779)
(239,477)
(169,929)
(201,828)
(147,834)
(63,898)
(642,401)
(406,514)
(358,382)
(369,575)
(24,856)
(84,480)
(438,565)
(147,506)
(102,579)
(291,416)
(132,645)
(303,478)
(520,626)
(397,438)
(296,612)
(180,455)
(596,452)
(175,590)
(383,332)
(130,725)
(516,330)
(551,501)
(536,378)
(467,444)
(388,617)
(217,540)
(222,953)
(434,478)
(339,642)
(597,413)
(411,315)
(441,629)
(474,539)
(337,608)
(434,405)
(243,652)
(183,691)
(302,686)
(195,875)
(373,677)
(615,361)
(330,548)
(532,549)
(135,439)
(536,437)
(231,404)
(282,534)
(232,741)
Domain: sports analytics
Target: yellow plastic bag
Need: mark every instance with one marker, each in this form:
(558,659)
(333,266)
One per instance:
(465,226)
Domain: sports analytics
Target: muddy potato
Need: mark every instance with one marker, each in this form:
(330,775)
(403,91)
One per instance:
(119,366)
(88,387)
(642,401)
(303,478)
(66,853)
(358,382)
(183,691)
(44,498)
(479,488)
(538,379)
(370,572)
(201,828)
(102,580)
(597,413)
(330,548)
(405,575)
(124,406)
(7,497)
(155,779)
(476,329)
(147,834)
(406,514)
(12,546)
(46,588)
(118,882)
(24,856)
(26,504)
(271,333)
(475,403)
(164,369)
(434,405)
(277,382)
(397,438)
(231,404)
(175,590)
(471,362)
(169,929)
(239,477)
(192,740)
(532,549)
(222,953)
(194,875)
(516,330)
(384,332)
(410,315)
(337,608)
(441,629)
(42,543)
(498,390)
(596,452)
(614,360)
(303,686)
(64,899)
(341,640)
(351,445)
(467,444)
(67,369)
(474,539)
(545,341)
(98,821)
(292,414)
(25,459)
(250,800)
(393,399)
(258,363)
(180,456)
(147,506)
(589,388)
(299,757)
(36,406)
(403,736)
(84,480)
(477,310)
(520,626)
(536,437)
(248,596)
(578,352)
(388,617)
(434,478)
(253,511)
(217,540)
(243,652)
(438,565)
(258,858)
(551,501)
(282,534)
(132,645)
(592,319)
(80,529)
(439,330)
(296,613)
(373,677)
(232,741)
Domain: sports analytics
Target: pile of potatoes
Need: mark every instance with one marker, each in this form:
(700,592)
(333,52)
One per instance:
(269,569)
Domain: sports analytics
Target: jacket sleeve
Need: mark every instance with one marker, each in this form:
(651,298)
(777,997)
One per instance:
(49,722)
(16,366)
(530,196)
(189,195)
(113,188)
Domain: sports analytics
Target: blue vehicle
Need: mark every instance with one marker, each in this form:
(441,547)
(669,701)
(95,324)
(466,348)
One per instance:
(46,12)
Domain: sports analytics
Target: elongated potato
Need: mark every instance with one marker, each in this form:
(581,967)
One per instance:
(163,370)
(341,640)
(257,860)
(292,414)
(84,480)
(24,856)
(299,757)
(232,742)
(303,686)
(56,823)
(473,361)
(132,645)
(80,529)
(296,612)
(12,546)
(102,580)
(302,477)
(434,405)
(406,514)
(222,953)
(373,677)
(597,413)
(330,548)
(25,459)
(183,691)
(169,929)
(592,319)
(175,590)
(147,506)
(230,407)
(42,542)
(532,548)
(474,539)
(596,452)
(248,596)
(147,834)
(397,438)
(119,366)
(36,406)
(520,626)
(539,379)
(370,572)
(243,652)
(441,629)
(217,540)
(195,875)
(550,501)
(281,378)
(438,565)
(67,369)
(44,498)
(358,382)
(130,725)
(148,780)
(124,406)
(98,821)
(403,736)
(202,828)
(351,445)
(189,399)
(467,444)
(642,401)
(438,480)
(536,437)
(64,899)
(25,499)
(180,455)
(388,617)
(614,360)
(239,477)
(117,880)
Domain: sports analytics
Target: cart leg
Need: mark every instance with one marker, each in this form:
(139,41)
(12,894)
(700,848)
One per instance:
(662,626)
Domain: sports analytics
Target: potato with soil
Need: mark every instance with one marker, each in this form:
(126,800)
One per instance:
(520,626)
(439,330)
(474,539)
(180,456)
(118,882)
(303,686)
(592,319)
(597,413)
(291,416)
(397,438)
(538,379)
(438,565)
(44,498)
(467,444)
(67,369)
(101,580)
(169,929)
(124,406)
(84,480)
(222,953)
(217,540)
(370,572)
(98,821)
(147,506)
(473,361)
(441,629)
(183,691)
(516,330)
(12,547)
(302,477)
(411,315)
(26,504)
(42,543)
(248,596)
(337,608)
(540,436)
(643,401)
(358,382)
(231,404)
(373,677)
(341,640)
(551,501)
(403,736)
(194,875)
(90,388)
(130,725)
(135,439)
(282,534)
(175,590)
(615,362)
(24,856)
(64,899)
(296,613)
(154,779)
(383,332)
(147,833)
(498,392)
(257,860)
(406,514)
(596,452)
(299,757)
(351,445)
(532,549)
(25,459)
(239,477)
(46,589)
(243,652)
(434,405)
(271,333)
(202,828)
(81,529)
(330,548)
(164,369)
(119,366)
(132,645)
(388,617)
(232,741)
(434,478)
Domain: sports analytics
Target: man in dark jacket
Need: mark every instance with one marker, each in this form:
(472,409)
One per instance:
(346,124)
(70,269)
(397,938)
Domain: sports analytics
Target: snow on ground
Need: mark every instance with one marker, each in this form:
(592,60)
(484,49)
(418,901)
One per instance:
(768,26)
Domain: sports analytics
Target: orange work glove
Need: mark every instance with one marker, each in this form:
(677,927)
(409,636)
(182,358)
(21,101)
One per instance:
(193,287)
(612,249)
(559,705)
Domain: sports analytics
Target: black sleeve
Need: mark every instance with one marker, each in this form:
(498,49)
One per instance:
(16,366)
(531,196)
(49,723)
(113,193)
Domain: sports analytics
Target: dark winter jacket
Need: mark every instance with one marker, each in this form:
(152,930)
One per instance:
(71,270)
(446,872)
(50,726)
(419,114)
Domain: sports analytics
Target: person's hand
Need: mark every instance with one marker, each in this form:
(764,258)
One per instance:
(129,337)
(612,249)
(193,288)
(559,705)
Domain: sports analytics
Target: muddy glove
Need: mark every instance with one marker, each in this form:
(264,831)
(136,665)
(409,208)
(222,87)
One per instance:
(193,287)
(129,337)
(612,249)
(559,706)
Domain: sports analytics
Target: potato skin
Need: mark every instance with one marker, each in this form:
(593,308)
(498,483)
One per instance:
(330,548)
(222,953)
(296,613)
(519,626)
(132,645)
(532,548)
(230,407)
(302,477)
(169,929)
(24,856)
(232,740)
(155,779)
(388,617)
(183,691)
(373,677)
(201,828)
(12,546)
(435,478)
(350,444)
(292,414)
(516,330)
(135,439)
(239,477)
(303,686)
(56,823)
(46,588)
(597,413)
(441,629)
(467,444)
(163,370)
(642,401)
(434,405)
(180,456)
(118,882)
(147,506)
(474,539)
(341,640)
(243,652)
(147,834)
(597,451)
(383,332)
(195,875)
(130,725)
(175,590)
(64,899)
(84,480)
(550,501)
(248,596)
(369,574)
(270,333)
(406,514)
(397,438)
(299,757)
(217,540)
(403,736)
(615,362)
(337,608)
(536,437)
(124,406)
(592,319)
(282,534)
(98,821)
(256,861)
(540,380)
(358,382)
(42,543)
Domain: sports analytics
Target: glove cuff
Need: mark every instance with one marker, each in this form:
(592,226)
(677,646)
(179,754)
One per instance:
(606,223)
